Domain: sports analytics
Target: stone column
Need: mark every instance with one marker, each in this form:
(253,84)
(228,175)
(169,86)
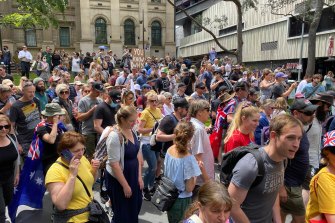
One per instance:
(116,44)
(86,43)
(170,45)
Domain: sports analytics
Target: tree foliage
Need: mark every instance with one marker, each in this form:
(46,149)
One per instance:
(31,13)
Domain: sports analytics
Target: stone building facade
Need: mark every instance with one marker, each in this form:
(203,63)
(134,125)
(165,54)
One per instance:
(88,24)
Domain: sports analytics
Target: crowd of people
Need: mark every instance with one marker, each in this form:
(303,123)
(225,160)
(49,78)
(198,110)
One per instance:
(180,119)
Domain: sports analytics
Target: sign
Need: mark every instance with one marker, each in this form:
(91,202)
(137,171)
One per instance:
(138,58)
(292,66)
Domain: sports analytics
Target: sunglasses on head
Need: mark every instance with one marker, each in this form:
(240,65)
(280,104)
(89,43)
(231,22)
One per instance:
(4,126)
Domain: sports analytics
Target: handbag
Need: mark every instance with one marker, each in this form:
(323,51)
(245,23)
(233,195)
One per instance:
(97,212)
(165,195)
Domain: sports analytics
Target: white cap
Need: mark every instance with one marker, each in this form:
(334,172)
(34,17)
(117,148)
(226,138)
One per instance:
(137,87)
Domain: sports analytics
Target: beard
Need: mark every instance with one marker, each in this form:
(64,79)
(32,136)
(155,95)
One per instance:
(320,114)
(40,89)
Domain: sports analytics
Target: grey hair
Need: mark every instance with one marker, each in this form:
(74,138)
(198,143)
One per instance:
(196,106)
(61,87)
(167,94)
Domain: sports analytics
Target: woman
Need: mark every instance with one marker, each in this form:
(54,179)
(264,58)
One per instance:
(280,107)
(124,167)
(23,80)
(181,167)
(241,130)
(9,165)
(266,84)
(321,205)
(62,179)
(149,117)
(49,132)
(128,98)
(63,92)
(80,76)
(168,106)
(43,68)
(213,205)
(264,121)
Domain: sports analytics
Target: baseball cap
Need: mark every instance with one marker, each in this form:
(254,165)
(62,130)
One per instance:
(200,85)
(54,78)
(144,71)
(181,85)
(180,103)
(98,86)
(185,70)
(280,74)
(137,87)
(303,105)
(147,86)
(165,70)
(115,95)
(36,80)
(79,83)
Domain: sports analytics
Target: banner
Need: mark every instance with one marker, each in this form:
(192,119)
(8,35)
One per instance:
(138,58)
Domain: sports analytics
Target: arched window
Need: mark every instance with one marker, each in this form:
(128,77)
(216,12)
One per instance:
(100,31)
(30,37)
(129,32)
(156,34)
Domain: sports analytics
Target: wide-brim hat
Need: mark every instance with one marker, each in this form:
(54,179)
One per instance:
(327,98)
(226,96)
(52,109)
(303,105)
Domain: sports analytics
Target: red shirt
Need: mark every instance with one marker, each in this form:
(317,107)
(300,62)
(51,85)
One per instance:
(236,140)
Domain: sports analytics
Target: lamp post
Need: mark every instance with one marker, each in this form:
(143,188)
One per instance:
(1,16)
(301,47)
(143,30)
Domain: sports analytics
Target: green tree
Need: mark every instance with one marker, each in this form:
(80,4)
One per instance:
(31,13)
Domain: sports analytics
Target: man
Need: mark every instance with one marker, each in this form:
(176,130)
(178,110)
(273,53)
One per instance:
(75,64)
(217,83)
(25,57)
(290,194)
(104,114)
(86,108)
(216,64)
(141,100)
(3,74)
(7,57)
(212,54)
(207,77)
(200,89)
(200,144)
(313,88)
(163,83)
(324,102)
(181,88)
(51,91)
(169,123)
(260,204)
(25,115)
(123,81)
(142,79)
(40,94)
(187,81)
(307,79)
(48,55)
(279,89)
(87,62)
(236,74)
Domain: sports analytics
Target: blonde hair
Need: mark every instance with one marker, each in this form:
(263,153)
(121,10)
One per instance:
(211,194)
(125,94)
(245,109)
(150,94)
(196,106)
(281,103)
(6,119)
(61,87)
(124,113)
(184,132)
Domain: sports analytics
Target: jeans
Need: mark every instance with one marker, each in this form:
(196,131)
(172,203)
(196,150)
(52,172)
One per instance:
(6,195)
(151,158)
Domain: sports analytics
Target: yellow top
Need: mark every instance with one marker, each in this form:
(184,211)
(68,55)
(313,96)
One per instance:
(322,195)
(149,120)
(80,199)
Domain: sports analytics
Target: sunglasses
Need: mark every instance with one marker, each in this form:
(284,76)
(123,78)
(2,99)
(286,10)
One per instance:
(64,92)
(87,91)
(4,126)
(153,101)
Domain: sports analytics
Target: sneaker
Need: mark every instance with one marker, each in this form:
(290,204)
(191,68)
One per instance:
(152,191)
(146,194)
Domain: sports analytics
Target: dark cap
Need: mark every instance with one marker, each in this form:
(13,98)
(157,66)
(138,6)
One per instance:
(147,86)
(241,85)
(303,105)
(180,103)
(115,95)
(329,99)
(200,85)
(222,89)
(181,85)
(98,86)
(185,70)
(144,71)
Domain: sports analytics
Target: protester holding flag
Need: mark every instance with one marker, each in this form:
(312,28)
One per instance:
(9,165)
(70,179)
(49,131)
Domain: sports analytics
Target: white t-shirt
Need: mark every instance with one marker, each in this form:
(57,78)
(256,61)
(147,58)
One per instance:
(75,64)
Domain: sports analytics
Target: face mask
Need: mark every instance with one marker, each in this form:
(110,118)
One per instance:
(114,105)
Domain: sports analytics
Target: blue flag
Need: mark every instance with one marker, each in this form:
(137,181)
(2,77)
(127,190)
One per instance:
(31,189)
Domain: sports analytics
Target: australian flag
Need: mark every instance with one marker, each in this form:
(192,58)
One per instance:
(31,189)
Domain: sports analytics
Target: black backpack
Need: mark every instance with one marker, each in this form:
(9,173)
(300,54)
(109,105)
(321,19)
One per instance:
(230,159)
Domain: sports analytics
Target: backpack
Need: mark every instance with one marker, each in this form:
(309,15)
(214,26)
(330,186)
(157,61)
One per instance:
(326,124)
(230,159)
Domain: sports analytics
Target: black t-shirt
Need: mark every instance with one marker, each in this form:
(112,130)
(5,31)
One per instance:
(8,155)
(26,117)
(277,90)
(6,77)
(188,82)
(87,62)
(105,112)
(163,84)
(49,154)
(167,125)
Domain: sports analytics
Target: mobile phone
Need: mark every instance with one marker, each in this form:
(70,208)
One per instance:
(67,155)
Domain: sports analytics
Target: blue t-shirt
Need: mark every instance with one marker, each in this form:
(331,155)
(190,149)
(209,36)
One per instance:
(309,88)
(208,77)
(180,169)
(263,122)
(141,80)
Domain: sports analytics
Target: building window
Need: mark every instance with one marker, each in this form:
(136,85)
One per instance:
(129,32)
(30,37)
(156,1)
(269,46)
(100,31)
(156,34)
(228,30)
(64,36)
